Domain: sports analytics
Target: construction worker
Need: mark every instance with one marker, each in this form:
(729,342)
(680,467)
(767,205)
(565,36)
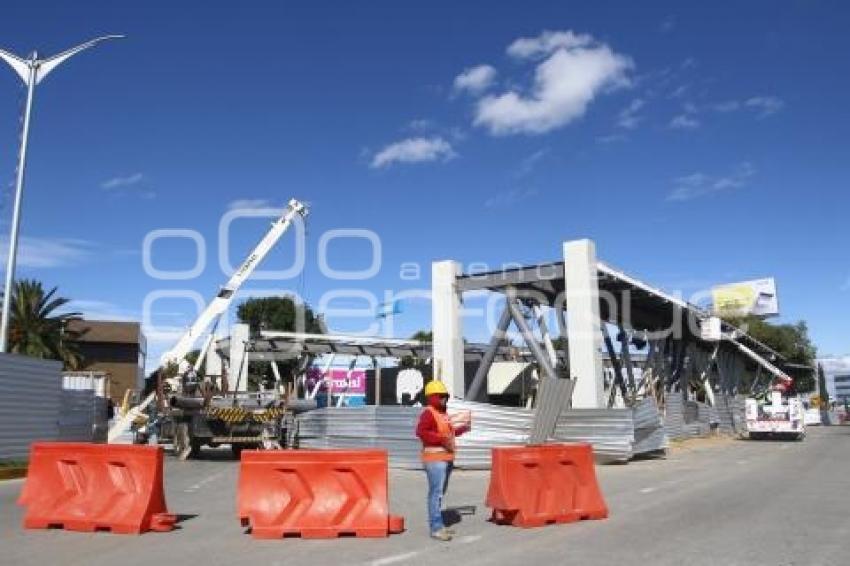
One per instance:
(437,434)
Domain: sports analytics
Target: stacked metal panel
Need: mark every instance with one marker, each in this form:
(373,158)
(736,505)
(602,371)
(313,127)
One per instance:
(674,416)
(610,431)
(82,416)
(393,428)
(650,435)
(29,403)
(730,416)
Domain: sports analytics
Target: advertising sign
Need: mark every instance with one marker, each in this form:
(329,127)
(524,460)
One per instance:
(757,297)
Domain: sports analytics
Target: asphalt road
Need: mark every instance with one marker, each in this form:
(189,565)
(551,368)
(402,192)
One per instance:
(711,502)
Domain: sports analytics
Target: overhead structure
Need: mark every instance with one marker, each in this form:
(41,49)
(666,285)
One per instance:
(31,71)
(586,294)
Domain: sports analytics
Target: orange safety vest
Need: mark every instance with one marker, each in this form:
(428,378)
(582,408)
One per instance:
(446,430)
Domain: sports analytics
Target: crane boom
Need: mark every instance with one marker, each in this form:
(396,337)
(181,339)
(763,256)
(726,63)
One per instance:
(222,300)
(216,308)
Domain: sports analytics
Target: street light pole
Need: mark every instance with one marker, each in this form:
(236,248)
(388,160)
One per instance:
(32,71)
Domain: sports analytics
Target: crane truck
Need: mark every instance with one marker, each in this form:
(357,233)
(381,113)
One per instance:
(777,412)
(188,413)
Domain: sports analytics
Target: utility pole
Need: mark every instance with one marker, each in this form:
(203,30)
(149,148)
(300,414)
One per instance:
(32,71)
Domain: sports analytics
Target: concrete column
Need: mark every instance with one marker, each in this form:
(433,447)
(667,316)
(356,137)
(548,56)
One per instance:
(584,328)
(447,326)
(239,334)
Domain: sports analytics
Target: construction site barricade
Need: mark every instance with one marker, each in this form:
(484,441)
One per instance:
(95,487)
(532,486)
(315,494)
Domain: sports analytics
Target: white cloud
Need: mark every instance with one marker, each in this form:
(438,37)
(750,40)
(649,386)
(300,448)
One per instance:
(684,122)
(475,80)
(48,252)
(528,164)
(546,43)
(565,83)
(765,105)
(420,124)
(698,184)
(414,150)
(510,197)
(628,117)
(100,310)
(122,182)
(667,25)
(248,204)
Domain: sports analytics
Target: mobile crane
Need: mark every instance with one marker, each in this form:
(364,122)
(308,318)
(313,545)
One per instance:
(190,419)
(777,412)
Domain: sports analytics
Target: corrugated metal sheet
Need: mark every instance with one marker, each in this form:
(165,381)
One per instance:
(82,416)
(610,431)
(393,428)
(650,435)
(30,391)
(552,399)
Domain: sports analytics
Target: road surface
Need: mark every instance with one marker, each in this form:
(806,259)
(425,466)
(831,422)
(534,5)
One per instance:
(723,502)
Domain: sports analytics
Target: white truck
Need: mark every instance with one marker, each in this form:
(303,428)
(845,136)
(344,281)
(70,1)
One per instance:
(777,416)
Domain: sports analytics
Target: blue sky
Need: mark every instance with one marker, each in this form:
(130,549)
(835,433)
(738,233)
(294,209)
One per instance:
(697,144)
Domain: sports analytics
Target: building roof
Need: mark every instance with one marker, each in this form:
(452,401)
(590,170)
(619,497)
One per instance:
(107,331)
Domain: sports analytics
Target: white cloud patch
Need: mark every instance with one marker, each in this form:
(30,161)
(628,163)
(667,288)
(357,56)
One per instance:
(629,118)
(414,150)
(248,204)
(765,105)
(124,185)
(684,121)
(121,182)
(40,253)
(475,80)
(698,184)
(101,310)
(546,43)
(510,197)
(576,69)
(528,164)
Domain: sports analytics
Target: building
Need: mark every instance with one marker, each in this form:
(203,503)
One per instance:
(116,348)
(837,374)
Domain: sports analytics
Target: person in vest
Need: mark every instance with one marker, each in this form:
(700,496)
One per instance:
(437,434)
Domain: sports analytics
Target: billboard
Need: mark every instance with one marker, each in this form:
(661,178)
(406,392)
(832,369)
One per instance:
(756,297)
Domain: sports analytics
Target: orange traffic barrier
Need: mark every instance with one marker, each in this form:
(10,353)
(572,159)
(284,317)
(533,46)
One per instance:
(532,486)
(95,487)
(315,494)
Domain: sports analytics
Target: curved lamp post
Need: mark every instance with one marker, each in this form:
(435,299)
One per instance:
(32,71)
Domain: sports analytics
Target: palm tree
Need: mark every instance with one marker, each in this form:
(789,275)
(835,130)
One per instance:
(37,330)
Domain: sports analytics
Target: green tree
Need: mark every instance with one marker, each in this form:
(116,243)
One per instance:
(278,313)
(281,314)
(423,336)
(791,341)
(37,329)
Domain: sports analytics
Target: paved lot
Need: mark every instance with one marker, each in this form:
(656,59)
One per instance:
(710,502)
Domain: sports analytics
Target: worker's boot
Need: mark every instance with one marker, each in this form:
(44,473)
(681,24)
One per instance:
(442,535)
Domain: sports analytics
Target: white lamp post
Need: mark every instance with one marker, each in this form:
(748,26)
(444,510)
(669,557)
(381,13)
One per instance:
(32,71)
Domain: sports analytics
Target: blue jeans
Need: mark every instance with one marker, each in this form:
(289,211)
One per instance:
(438,481)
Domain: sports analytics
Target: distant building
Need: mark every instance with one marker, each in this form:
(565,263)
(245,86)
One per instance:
(837,373)
(116,348)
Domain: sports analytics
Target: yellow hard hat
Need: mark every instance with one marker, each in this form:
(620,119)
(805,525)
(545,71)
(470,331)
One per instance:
(435,387)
